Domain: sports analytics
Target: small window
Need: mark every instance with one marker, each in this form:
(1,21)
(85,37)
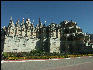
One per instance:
(32,42)
(15,49)
(23,44)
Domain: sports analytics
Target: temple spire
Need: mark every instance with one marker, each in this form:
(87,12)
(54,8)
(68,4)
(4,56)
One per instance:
(39,22)
(11,18)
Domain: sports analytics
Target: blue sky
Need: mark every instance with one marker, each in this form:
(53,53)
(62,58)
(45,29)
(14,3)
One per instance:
(50,11)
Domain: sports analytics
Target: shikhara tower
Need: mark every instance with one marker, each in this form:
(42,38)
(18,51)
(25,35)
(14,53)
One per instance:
(65,37)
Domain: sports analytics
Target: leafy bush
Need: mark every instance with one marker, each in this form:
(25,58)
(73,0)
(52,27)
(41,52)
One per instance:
(38,55)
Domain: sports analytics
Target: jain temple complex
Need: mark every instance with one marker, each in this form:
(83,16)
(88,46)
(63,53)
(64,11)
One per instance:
(63,37)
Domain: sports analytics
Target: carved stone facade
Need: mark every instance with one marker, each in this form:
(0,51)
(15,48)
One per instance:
(24,36)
